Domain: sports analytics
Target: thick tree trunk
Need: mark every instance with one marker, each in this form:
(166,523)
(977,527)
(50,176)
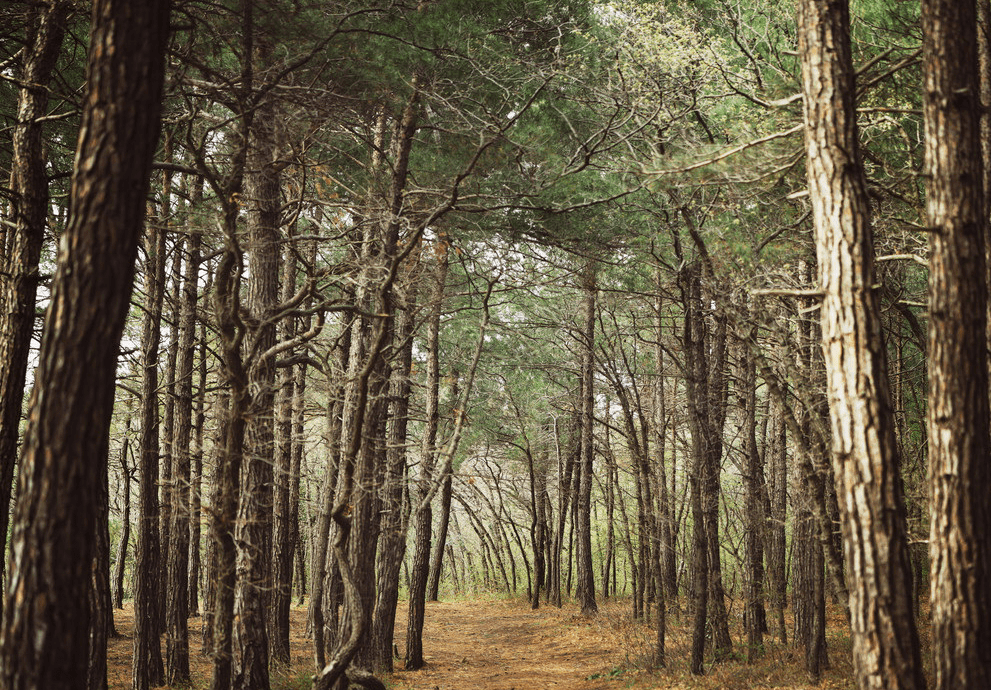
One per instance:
(960,527)
(865,453)
(46,29)
(45,639)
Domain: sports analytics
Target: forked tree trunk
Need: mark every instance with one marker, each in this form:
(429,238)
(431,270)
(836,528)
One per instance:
(865,452)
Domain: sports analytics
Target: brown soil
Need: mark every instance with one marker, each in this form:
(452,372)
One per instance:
(503,645)
(499,644)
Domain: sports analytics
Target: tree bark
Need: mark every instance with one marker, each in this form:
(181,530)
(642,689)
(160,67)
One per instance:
(428,454)
(148,624)
(865,453)
(440,543)
(395,504)
(585,589)
(754,616)
(253,531)
(46,30)
(127,474)
(960,526)
(45,639)
(196,484)
(282,546)
(177,591)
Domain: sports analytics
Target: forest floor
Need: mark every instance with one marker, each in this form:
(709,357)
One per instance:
(501,644)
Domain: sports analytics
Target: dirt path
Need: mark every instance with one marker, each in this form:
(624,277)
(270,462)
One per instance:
(497,644)
(501,645)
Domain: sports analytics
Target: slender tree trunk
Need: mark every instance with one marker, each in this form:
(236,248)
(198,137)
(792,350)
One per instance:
(960,526)
(428,454)
(173,293)
(101,625)
(47,618)
(775,455)
(148,624)
(125,521)
(282,546)
(754,617)
(196,485)
(585,590)
(177,591)
(865,456)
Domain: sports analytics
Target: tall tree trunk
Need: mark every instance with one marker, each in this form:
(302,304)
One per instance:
(282,546)
(428,455)
(776,458)
(585,590)
(173,294)
(538,523)
(45,638)
(440,543)
(177,590)
(46,30)
(196,483)
(148,669)
(125,520)
(807,562)
(253,531)
(960,527)
(865,455)
(395,509)
(224,497)
(101,624)
(754,617)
